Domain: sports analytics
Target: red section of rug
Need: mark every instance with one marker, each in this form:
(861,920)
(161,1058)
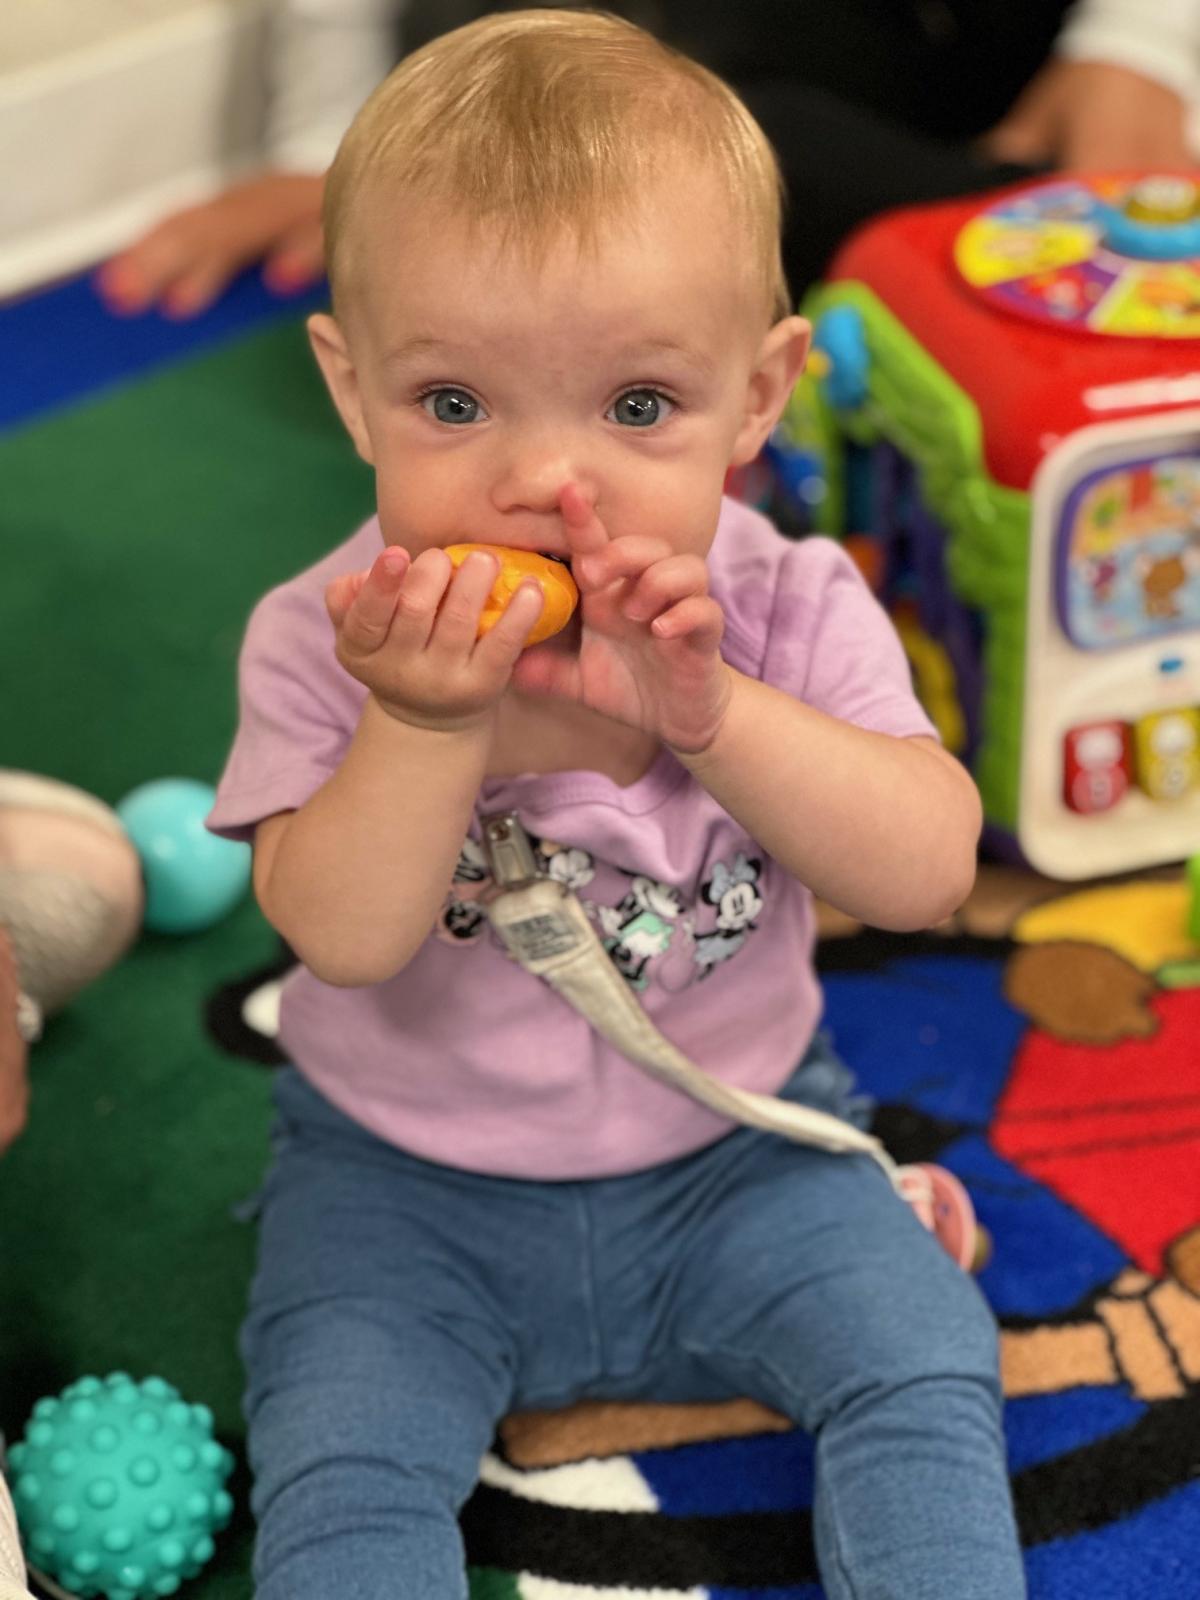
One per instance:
(1114,1130)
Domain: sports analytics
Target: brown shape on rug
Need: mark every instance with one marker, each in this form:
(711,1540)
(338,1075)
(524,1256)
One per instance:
(599,1428)
(1142,1332)
(1081,992)
(1049,1359)
(1182,1257)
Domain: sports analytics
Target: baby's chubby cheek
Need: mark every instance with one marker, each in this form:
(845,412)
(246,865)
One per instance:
(423,515)
(686,521)
(425,511)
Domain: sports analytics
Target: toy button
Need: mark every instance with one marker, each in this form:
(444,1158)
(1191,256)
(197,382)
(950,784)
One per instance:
(841,338)
(1158,221)
(1096,766)
(1167,746)
(1163,199)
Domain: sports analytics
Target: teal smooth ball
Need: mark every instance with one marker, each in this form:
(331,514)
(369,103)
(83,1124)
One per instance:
(193,878)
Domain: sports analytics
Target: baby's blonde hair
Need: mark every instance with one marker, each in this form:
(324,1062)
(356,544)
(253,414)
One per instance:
(539,120)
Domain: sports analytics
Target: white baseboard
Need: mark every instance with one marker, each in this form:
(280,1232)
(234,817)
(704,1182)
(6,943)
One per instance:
(109,137)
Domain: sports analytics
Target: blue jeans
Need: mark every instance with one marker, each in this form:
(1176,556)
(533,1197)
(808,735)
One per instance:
(401,1309)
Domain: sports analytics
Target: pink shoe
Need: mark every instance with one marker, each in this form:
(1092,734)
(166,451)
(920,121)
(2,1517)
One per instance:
(944,1207)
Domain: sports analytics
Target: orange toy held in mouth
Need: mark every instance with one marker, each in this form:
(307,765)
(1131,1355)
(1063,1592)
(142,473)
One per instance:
(559,594)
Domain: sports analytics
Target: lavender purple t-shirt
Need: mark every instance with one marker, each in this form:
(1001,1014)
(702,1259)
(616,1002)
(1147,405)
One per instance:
(463,1057)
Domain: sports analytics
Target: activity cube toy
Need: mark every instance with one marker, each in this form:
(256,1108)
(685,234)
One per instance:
(1004,403)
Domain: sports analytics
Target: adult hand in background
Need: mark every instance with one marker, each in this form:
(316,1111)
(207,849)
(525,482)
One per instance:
(186,262)
(14,1076)
(1093,116)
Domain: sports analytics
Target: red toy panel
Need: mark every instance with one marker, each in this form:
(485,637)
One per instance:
(1053,306)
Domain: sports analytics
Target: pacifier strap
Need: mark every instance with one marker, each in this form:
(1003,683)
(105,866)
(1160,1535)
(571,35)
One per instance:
(543,925)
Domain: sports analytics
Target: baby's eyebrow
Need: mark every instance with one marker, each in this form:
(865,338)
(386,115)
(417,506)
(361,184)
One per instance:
(410,349)
(650,348)
(635,353)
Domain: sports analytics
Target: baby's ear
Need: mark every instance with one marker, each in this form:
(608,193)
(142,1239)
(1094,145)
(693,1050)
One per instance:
(779,363)
(341,378)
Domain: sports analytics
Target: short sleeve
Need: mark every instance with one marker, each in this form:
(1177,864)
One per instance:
(297,712)
(1160,39)
(832,645)
(323,59)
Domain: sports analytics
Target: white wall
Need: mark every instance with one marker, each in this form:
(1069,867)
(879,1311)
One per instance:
(113,112)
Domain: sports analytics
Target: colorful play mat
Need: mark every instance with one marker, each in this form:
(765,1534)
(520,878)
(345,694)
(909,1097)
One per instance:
(158,478)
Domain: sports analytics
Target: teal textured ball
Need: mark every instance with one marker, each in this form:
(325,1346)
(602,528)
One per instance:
(119,1487)
(192,877)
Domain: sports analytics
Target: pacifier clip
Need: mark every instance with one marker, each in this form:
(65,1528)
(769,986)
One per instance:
(543,926)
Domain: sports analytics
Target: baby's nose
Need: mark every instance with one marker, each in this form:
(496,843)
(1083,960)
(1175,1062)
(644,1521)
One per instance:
(533,473)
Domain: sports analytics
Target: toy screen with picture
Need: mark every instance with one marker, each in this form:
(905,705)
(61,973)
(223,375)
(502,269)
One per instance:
(1129,553)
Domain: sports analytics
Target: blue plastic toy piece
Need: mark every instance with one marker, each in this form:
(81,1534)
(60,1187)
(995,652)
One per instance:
(841,335)
(119,1487)
(1146,240)
(192,878)
(798,472)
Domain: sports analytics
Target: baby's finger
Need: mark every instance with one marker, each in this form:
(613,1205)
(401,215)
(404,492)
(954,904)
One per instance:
(341,595)
(458,615)
(697,621)
(663,584)
(505,639)
(369,615)
(419,598)
(581,523)
(627,557)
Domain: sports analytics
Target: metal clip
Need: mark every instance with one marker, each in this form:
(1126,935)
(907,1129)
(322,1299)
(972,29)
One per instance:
(509,853)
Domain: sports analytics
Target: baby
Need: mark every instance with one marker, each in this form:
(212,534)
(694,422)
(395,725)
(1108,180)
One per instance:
(559,318)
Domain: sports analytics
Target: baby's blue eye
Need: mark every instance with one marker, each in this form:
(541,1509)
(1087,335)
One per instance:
(640,408)
(452,405)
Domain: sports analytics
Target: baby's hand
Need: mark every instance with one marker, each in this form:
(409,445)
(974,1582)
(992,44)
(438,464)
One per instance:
(407,630)
(649,653)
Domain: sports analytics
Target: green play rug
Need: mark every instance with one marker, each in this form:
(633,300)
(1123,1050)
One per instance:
(139,528)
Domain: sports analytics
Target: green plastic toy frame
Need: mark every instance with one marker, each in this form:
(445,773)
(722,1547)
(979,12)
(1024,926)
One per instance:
(912,404)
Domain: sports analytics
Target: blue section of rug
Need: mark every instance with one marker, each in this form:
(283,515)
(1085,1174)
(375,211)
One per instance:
(62,344)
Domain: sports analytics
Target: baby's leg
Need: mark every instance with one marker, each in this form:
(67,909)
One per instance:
(376,1375)
(813,1289)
